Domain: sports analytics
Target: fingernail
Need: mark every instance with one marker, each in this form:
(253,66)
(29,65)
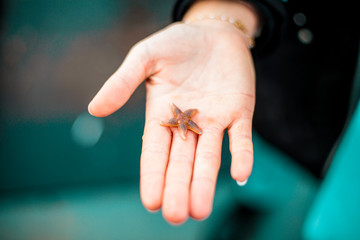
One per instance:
(152,210)
(89,109)
(241,184)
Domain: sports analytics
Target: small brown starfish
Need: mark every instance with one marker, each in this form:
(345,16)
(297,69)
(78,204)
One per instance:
(183,121)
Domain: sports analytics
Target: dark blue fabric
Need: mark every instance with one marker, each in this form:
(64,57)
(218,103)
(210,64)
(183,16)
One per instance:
(272,14)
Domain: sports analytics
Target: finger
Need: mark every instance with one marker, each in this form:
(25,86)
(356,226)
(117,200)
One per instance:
(241,148)
(206,168)
(178,176)
(120,86)
(153,162)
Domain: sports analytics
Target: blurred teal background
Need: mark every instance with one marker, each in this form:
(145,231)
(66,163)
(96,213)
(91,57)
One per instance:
(67,175)
(55,56)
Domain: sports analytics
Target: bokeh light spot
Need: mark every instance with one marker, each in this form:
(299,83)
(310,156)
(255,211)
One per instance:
(299,19)
(87,130)
(305,36)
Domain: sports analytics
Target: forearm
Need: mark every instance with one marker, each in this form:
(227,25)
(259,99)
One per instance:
(236,10)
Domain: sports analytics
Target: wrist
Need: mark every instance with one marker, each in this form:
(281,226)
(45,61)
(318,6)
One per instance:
(250,43)
(238,13)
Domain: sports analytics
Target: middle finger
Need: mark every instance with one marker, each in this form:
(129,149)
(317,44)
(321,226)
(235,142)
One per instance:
(178,177)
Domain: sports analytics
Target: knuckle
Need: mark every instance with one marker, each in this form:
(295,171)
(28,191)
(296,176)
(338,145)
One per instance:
(204,179)
(214,129)
(154,149)
(241,143)
(182,159)
(209,160)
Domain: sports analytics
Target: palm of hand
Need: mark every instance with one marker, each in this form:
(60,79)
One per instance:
(193,67)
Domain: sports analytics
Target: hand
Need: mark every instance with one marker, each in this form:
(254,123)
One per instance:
(204,65)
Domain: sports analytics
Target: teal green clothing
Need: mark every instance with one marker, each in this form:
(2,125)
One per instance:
(336,211)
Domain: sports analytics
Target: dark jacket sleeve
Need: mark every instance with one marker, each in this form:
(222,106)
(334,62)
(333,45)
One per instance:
(272,14)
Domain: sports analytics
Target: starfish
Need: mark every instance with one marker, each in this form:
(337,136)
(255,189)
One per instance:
(183,121)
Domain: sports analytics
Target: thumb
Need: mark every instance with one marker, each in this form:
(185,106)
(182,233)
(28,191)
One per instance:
(120,86)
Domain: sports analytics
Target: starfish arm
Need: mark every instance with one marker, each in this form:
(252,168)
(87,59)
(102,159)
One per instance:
(191,112)
(171,123)
(176,111)
(194,127)
(183,130)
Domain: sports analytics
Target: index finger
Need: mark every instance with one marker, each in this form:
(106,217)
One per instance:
(153,162)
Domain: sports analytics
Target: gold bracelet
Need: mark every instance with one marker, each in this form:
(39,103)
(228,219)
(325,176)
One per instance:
(236,23)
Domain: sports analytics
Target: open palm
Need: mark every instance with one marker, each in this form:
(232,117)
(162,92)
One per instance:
(205,65)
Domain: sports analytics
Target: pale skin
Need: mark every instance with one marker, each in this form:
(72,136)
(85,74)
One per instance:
(204,65)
